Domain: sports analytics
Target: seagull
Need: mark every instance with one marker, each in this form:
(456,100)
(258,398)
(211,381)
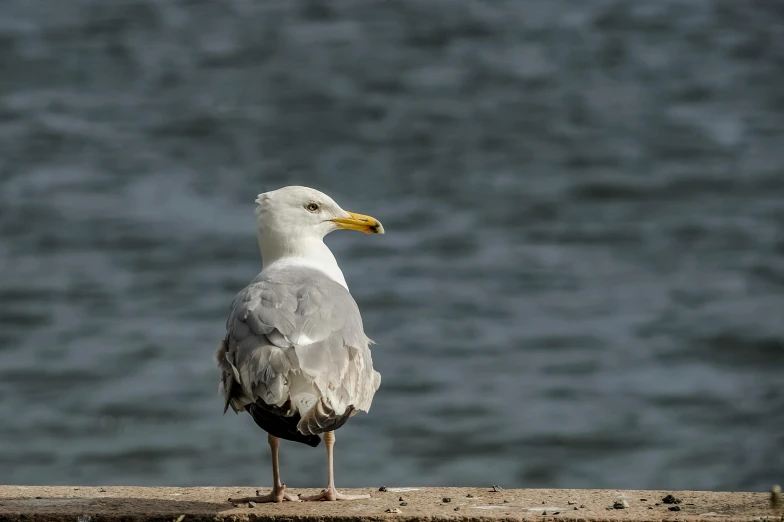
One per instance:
(295,355)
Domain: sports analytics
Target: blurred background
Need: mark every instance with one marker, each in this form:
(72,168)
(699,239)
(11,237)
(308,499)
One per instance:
(582,281)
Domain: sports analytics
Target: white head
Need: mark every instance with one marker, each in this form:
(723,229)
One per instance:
(292,223)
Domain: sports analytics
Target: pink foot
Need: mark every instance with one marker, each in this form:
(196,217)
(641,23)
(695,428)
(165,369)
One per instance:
(278,494)
(331,494)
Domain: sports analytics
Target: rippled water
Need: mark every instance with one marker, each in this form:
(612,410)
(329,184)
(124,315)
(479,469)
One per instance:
(582,281)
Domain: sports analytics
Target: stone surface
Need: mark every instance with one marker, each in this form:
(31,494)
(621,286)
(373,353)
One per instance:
(132,504)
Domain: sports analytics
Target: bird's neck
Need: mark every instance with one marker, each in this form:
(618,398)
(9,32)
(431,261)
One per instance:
(310,251)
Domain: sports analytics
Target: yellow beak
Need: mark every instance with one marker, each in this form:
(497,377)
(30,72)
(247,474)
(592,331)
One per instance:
(366,224)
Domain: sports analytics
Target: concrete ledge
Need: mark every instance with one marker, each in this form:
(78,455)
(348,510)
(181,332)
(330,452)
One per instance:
(132,504)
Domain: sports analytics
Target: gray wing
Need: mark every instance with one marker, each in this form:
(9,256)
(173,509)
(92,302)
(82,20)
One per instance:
(296,341)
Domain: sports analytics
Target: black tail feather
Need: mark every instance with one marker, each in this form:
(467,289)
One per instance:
(279,425)
(274,421)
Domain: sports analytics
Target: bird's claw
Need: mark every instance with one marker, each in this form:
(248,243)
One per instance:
(277,494)
(332,494)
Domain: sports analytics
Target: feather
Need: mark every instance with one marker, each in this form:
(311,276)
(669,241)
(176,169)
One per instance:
(295,338)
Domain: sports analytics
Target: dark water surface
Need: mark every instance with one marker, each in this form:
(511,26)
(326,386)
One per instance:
(582,283)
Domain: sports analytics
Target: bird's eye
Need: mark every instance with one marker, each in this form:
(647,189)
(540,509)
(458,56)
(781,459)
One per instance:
(312,207)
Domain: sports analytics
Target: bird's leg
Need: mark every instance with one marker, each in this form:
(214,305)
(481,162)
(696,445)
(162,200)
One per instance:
(331,493)
(278,493)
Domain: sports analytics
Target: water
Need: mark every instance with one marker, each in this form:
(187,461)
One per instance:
(582,281)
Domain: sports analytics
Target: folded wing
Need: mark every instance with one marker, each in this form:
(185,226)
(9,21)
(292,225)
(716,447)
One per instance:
(295,347)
